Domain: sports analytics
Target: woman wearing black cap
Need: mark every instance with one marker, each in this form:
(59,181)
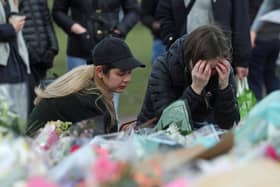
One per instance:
(86,91)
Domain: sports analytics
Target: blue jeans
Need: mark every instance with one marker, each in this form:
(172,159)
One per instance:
(158,49)
(262,67)
(73,62)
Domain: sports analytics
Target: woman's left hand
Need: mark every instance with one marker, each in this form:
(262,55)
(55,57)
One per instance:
(223,69)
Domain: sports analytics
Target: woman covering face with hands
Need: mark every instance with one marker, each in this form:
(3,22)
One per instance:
(204,69)
(197,69)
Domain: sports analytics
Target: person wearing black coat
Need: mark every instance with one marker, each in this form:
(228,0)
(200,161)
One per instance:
(254,6)
(231,15)
(148,18)
(14,61)
(90,21)
(41,41)
(196,68)
(265,43)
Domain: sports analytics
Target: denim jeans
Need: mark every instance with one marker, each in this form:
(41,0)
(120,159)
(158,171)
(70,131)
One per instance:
(262,67)
(158,49)
(73,62)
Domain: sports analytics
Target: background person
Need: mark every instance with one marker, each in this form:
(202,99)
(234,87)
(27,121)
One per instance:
(149,19)
(180,17)
(41,41)
(14,61)
(265,50)
(91,21)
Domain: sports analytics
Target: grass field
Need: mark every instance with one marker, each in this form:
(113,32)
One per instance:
(140,41)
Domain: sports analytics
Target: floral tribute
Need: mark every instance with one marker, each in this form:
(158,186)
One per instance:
(108,173)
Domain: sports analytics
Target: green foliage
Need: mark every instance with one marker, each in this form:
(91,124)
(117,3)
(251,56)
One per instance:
(9,121)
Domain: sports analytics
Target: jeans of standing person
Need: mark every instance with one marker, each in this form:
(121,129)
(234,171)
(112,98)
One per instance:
(73,62)
(157,49)
(263,67)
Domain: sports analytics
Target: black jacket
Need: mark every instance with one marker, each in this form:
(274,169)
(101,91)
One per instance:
(99,17)
(254,6)
(232,15)
(71,108)
(39,33)
(148,15)
(170,81)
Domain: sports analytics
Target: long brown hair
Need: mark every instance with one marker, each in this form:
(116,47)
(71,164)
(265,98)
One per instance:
(205,43)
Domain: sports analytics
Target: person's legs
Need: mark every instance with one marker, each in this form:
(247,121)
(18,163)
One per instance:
(31,93)
(256,68)
(157,49)
(34,79)
(271,80)
(73,62)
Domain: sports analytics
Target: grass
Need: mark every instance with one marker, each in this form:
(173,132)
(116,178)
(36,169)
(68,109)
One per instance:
(139,41)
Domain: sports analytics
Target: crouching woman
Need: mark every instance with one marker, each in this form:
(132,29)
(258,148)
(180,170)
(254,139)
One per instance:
(86,91)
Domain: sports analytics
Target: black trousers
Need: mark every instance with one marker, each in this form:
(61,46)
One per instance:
(34,80)
(262,67)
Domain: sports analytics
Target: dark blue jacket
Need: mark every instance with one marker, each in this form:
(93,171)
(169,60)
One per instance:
(38,33)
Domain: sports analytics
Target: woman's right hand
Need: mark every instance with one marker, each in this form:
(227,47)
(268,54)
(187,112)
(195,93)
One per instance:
(201,74)
(78,29)
(17,22)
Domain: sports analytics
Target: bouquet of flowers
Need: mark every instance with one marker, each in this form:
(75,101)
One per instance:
(50,134)
(105,172)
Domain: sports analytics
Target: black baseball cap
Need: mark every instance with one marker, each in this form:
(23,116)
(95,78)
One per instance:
(116,53)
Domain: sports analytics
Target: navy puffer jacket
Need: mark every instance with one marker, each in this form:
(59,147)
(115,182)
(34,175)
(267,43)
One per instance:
(39,33)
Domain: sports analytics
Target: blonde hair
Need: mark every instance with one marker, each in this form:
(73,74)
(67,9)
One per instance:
(80,79)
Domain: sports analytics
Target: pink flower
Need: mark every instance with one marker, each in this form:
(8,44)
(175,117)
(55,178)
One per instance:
(104,169)
(74,148)
(101,151)
(271,152)
(40,181)
(177,183)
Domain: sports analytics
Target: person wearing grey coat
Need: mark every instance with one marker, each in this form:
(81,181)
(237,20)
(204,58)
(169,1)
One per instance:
(14,61)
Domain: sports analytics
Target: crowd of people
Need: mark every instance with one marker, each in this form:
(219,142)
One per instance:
(198,48)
